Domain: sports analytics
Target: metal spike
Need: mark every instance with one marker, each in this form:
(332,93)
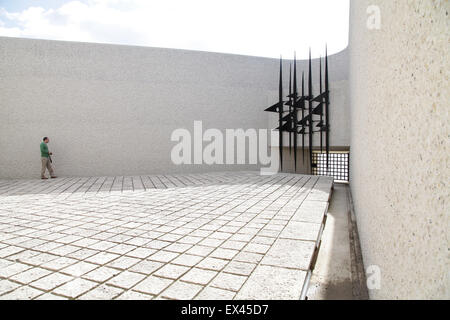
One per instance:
(295,112)
(274,108)
(285,127)
(280,112)
(290,106)
(303,116)
(327,114)
(310,109)
(321,109)
(306,121)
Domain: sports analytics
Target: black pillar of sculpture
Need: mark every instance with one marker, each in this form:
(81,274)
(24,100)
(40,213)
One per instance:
(295,96)
(327,114)
(280,112)
(290,108)
(310,111)
(320,107)
(303,106)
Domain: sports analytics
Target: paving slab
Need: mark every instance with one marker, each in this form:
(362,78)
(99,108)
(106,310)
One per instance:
(273,283)
(295,254)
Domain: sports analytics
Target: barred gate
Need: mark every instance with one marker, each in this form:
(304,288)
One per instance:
(338,165)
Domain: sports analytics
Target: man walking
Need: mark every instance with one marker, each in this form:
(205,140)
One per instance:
(46,160)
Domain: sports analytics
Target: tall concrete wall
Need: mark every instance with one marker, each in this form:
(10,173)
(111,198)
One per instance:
(400,144)
(110,109)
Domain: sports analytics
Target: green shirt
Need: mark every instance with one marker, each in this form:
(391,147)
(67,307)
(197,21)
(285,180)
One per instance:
(44,150)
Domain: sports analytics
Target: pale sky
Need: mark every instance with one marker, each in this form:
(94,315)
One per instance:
(265,28)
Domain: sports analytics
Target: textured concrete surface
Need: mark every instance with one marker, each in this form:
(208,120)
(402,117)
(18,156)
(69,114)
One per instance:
(399,88)
(111,109)
(191,236)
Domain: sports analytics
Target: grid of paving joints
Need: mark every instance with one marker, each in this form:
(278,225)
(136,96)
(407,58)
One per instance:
(229,235)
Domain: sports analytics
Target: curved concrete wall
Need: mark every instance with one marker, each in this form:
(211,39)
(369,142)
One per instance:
(400,145)
(111,109)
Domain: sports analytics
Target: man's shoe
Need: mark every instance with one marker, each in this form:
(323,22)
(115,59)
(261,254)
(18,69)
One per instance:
(44,178)
(53,177)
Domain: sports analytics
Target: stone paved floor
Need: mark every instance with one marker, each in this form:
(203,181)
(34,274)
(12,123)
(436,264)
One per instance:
(192,236)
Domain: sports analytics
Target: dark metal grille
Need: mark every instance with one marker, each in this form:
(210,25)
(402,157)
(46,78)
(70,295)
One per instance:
(338,165)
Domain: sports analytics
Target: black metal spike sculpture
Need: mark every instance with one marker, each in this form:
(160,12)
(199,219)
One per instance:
(288,120)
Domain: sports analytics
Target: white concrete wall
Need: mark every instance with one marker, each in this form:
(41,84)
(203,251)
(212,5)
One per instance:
(399,93)
(110,109)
